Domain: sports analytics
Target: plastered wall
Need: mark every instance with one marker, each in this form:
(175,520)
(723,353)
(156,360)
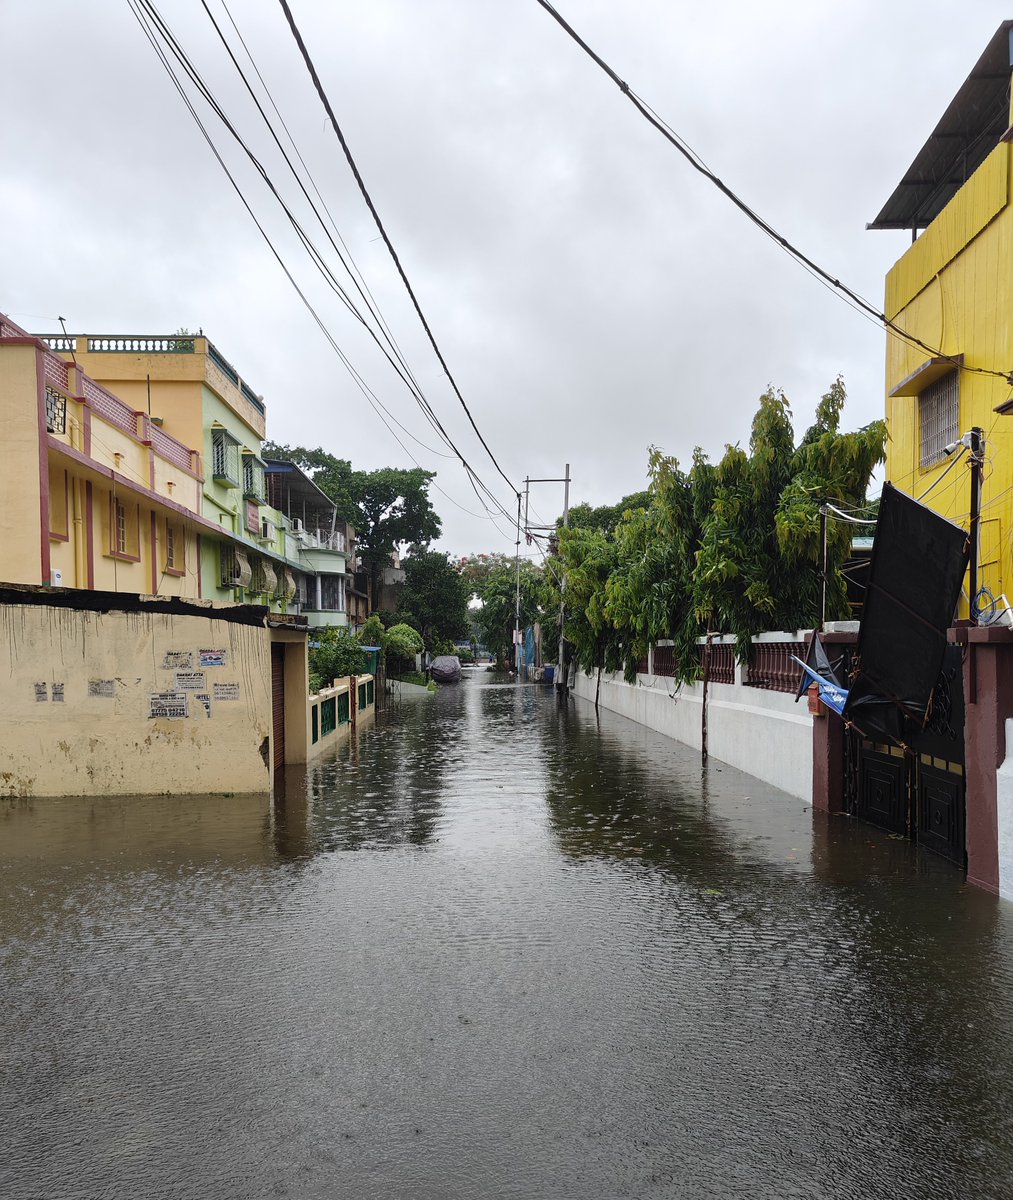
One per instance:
(132,703)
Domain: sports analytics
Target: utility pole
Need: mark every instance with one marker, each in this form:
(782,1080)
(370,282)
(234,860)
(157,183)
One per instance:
(976,439)
(561,681)
(823,564)
(517,608)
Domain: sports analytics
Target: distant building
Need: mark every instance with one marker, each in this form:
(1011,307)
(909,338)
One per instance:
(323,543)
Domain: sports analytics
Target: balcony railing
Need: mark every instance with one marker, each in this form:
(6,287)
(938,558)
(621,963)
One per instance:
(130,344)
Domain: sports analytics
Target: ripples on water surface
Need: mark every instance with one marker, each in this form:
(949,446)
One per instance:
(496,950)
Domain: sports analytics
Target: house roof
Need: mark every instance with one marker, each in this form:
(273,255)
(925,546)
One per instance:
(296,494)
(977,119)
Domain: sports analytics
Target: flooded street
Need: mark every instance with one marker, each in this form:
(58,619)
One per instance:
(496,950)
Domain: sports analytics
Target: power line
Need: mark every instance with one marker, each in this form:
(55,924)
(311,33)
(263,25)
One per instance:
(793,251)
(152,18)
(383,233)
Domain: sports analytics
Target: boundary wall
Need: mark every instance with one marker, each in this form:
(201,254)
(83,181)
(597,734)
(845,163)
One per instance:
(760,731)
(118,694)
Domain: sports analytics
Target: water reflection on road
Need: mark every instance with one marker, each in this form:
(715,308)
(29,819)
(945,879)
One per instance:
(496,949)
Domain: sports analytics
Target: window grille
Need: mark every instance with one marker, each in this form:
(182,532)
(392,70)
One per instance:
(224,457)
(56,411)
(170,547)
(253,479)
(121,528)
(229,571)
(343,708)
(327,716)
(939,417)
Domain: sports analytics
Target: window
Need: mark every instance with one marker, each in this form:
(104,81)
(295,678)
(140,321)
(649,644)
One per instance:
(123,525)
(939,417)
(235,566)
(224,457)
(343,708)
(175,548)
(56,411)
(253,478)
(327,715)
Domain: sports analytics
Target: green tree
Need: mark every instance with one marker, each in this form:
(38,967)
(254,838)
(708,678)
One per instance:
(434,598)
(389,507)
(497,592)
(759,559)
(403,643)
(336,654)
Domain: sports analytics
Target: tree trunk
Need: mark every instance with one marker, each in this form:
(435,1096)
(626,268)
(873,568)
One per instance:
(597,691)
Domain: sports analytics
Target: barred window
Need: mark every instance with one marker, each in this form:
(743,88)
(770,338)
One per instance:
(939,417)
(224,457)
(56,411)
(253,478)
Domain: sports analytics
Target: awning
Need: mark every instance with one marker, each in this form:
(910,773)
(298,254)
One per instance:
(270,578)
(244,572)
(290,585)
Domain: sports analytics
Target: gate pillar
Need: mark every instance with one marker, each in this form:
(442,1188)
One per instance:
(828,742)
(988,695)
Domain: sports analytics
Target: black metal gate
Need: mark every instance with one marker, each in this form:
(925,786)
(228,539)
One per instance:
(919,795)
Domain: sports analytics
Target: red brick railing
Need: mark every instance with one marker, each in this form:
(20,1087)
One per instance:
(771,667)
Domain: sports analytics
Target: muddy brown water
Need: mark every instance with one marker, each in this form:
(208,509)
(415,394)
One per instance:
(496,949)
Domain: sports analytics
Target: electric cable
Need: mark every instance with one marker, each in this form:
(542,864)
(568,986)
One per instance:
(374,402)
(383,233)
(793,251)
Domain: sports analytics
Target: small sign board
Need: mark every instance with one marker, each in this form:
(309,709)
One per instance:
(168,705)
(175,660)
(212,658)
(191,681)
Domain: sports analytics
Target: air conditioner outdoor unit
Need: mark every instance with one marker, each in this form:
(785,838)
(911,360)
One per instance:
(297,525)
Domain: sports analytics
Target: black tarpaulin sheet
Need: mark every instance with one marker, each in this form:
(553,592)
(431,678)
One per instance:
(918,564)
(816,659)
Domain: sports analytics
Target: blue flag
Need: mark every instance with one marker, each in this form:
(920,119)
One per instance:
(832,694)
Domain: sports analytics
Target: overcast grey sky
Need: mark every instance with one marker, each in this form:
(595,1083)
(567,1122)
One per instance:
(592,295)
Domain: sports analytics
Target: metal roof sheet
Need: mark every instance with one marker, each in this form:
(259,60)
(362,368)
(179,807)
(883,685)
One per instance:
(975,122)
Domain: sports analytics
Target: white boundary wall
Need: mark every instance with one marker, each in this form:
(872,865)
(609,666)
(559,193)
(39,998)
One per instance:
(1004,816)
(761,732)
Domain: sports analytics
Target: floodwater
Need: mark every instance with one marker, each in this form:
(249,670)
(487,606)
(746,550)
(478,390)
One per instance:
(496,950)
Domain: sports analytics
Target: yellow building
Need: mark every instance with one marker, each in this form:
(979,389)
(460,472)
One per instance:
(953,291)
(95,494)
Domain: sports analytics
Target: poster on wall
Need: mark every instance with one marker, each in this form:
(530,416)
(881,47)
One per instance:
(102,687)
(191,681)
(168,705)
(175,660)
(226,691)
(212,658)
(205,701)
(41,693)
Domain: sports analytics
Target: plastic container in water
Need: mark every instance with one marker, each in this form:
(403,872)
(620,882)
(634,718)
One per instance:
(548,674)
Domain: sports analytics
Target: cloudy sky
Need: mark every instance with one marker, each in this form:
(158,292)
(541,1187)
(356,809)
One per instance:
(591,294)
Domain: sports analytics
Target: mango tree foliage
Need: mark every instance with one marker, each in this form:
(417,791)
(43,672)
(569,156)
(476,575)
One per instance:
(589,557)
(650,596)
(759,558)
(732,547)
